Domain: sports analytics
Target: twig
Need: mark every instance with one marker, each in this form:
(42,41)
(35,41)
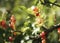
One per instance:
(49,3)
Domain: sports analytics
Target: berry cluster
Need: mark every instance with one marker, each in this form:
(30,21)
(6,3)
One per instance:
(36,11)
(43,37)
(12,22)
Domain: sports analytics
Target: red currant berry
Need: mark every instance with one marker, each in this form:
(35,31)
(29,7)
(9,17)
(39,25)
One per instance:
(3,24)
(12,25)
(43,35)
(12,19)
(59,30)
(10,39)
(14,33)
(43,41)
(34,8)
(37,14)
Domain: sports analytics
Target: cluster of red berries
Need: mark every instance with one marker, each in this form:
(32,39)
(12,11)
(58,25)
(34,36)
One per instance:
(12,22)
(43,37)
(36,11)
(3,24)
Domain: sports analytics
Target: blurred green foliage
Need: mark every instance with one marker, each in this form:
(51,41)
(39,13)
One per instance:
(25,16)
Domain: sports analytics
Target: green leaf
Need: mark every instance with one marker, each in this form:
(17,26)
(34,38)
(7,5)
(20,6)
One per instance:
(52,1)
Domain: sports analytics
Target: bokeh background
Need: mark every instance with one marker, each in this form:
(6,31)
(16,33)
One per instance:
(27,23)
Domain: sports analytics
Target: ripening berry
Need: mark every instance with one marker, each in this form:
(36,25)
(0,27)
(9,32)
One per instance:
(14,33)
(43,41)
(10,39)
(37,14)
(59,30)
(42,35)
(34,8)
(12,19)
(12,22)
(39,20)
(12,26)
(3,24)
